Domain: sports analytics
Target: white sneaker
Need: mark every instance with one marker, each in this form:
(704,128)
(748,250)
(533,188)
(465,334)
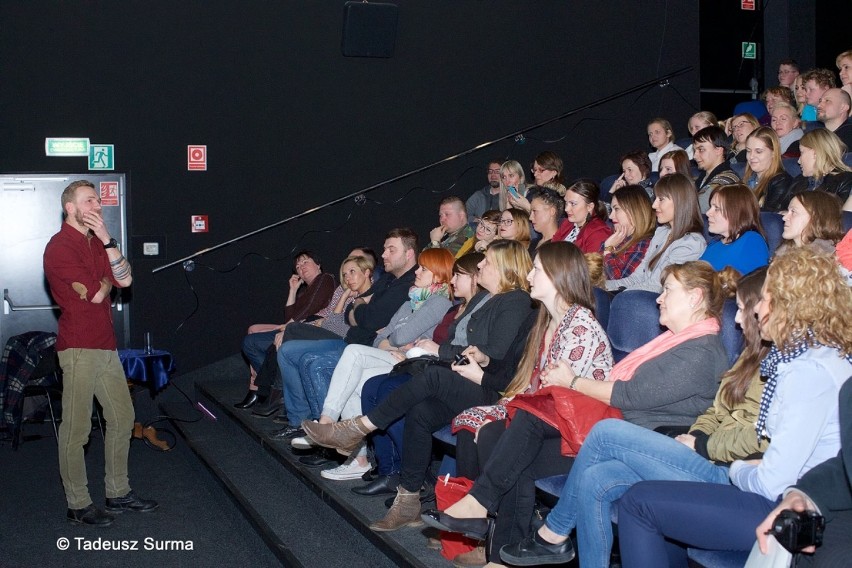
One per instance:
(303,443)
(350,469)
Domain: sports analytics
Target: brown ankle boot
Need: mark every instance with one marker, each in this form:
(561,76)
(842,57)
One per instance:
(475,557)
(405,512)
(345,435)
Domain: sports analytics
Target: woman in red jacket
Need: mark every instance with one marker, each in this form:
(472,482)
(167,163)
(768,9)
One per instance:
(585,222)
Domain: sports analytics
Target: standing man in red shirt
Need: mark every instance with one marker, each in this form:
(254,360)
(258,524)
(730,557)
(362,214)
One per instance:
(82,263)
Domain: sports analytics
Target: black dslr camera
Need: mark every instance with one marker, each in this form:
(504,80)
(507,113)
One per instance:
(461,359)
(795,531)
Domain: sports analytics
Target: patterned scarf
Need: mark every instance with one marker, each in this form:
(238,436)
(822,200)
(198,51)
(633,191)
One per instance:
(769,370)
(419,295)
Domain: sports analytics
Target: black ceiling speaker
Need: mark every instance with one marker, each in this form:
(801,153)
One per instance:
(369,29)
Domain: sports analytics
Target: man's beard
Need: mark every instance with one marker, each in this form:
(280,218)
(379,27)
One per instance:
(494,184)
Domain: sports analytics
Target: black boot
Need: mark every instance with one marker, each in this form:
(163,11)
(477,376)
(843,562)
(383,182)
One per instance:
(271,405)
(250,400)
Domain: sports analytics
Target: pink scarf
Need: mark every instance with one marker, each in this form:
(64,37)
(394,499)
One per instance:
(624,369)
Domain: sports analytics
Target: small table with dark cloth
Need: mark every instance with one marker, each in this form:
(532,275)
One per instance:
(152,369)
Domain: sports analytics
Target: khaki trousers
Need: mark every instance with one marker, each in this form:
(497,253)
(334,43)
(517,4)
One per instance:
(88,373)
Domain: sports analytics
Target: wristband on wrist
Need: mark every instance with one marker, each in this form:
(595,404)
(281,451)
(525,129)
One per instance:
(573,385)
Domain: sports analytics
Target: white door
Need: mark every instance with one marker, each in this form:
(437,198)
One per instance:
(30,214)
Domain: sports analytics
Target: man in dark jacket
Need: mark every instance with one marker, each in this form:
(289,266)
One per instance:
(366,315)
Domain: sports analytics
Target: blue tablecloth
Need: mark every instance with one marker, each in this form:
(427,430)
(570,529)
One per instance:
(151,369)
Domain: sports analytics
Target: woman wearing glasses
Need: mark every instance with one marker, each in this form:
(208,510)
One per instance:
(546,170)
(739,127)
(515,226)
(486,231)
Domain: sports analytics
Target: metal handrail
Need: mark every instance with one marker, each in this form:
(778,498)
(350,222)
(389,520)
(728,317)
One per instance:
(662,81)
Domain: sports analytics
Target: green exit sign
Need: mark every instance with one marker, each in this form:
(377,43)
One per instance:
(66,146)
(749,50)
(101,157)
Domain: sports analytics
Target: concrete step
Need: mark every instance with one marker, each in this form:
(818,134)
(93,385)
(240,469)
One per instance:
(286,501)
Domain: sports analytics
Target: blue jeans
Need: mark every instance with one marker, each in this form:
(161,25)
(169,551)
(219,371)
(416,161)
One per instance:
(616,455)
(658,519)
(289,355)
(316,370)
(387,444)
(255,346)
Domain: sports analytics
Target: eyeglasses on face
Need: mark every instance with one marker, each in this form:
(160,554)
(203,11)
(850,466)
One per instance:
(506,222)
(486,228)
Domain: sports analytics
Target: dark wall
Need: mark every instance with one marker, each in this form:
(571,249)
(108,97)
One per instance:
(290,123)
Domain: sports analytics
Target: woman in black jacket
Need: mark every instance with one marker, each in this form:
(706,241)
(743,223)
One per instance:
(765,174)
(822,166)
(432,398)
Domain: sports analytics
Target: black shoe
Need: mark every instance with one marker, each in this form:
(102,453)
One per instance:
(130,502)
(287,433)
(281,419)
(90,515)
(476,529)
(320,458)
(382,485)
(250,400)
(272,405)
(534,550)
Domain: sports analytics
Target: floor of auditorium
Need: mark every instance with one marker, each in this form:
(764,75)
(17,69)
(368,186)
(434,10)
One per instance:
(228,495)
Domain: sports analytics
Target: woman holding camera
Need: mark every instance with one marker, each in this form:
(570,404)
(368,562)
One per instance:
(803,311)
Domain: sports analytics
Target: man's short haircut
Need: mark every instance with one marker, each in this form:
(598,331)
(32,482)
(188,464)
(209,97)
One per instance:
(791,63)
(308,253)
(712,134)
(70,192)
(498,161)
(453,200)
(407,236)
(822,77)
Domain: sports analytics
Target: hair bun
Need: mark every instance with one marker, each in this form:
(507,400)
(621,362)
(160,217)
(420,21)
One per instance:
(728,278)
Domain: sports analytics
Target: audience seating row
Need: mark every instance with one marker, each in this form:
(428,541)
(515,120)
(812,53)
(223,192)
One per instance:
(791,166)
